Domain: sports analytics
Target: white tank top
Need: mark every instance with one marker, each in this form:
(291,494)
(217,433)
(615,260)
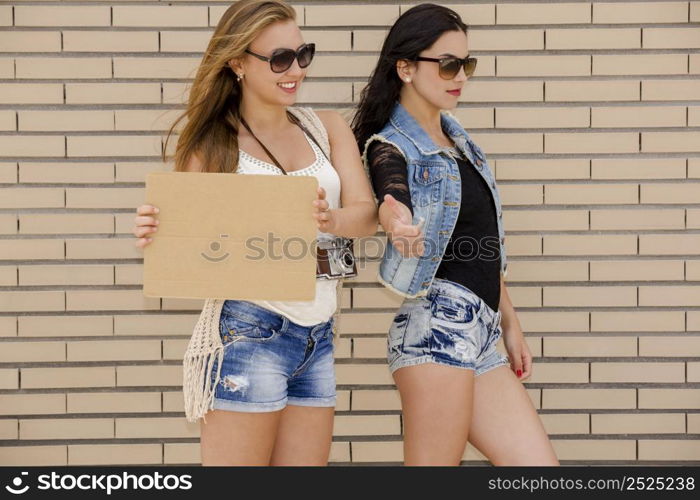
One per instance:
(322,308)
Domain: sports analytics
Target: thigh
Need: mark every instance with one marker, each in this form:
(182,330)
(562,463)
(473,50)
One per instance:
(238,438)
(304,436)
(505,425)
(436,402)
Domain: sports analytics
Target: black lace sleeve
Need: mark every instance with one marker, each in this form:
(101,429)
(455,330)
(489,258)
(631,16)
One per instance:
(387,169)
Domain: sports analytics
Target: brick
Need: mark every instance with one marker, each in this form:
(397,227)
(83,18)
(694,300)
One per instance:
(595,449)
(593,90)
(81,15)
(376,297)
(314,92)
(9,378)
(363,374)
(32,404)
(359,323)
(31,146)
(8,277)
(588,398)
(640,12)
(67,428)
(366,425)
(637,372)
(692,270)
(112,93)
(348,15)
(66,275)
(147,16)
(634,270)
(20,456)
(66,172)
(651,423)
(6,15)
(672,346)
(342,348)
(649,321)
(636,64)
(559,373)
(530,194)
(8,173)
(109,300)
(670,90)
(369,40)
(32,198)
(156,324)
(377,451)
(32,301)
(137,376)
(139,428)
(493,40)
(64,67)
(115,454)
(8,429)
(543,13)
(693,372)
(668,244)
(542,169)
(610,244)
(8,120)
(64,326)
(475,117)
(592,142)
(694,64)
(135,145)
(54,378)
(66,223)
(642,219)
(174,304)
(110,41)
(27,352)
(529,117)
(593,38)
(652,168)
(667,399)
(7,67)
(671,38)
(104,197)
(546,220)
(176,93)
(569,346)
(114,350)
(693,423)
(669,295)
(671,449)
(526,296)
(62,121)
(627,116)
(114,402)
(31,41)
(129,274)
(369,348)
(590,194)
(184,41)
(524,245)
(548,65)
(565,424)
(175,349)
(670,142)
(328,40)
(502,91)
(8,224)
(594,296)
(342,66)
(155,67)
(151,120)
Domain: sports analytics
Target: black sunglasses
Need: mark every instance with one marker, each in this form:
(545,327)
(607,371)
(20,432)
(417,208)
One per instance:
(281,59)
(449,66)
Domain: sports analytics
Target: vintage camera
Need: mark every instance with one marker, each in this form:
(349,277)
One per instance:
(334,259)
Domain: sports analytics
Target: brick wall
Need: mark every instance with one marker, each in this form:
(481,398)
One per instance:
(589,112)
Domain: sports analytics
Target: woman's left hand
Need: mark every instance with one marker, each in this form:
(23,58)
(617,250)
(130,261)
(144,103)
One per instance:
(326,219)
(518,351)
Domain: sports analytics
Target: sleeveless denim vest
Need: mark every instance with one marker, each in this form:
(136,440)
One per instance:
(435,186)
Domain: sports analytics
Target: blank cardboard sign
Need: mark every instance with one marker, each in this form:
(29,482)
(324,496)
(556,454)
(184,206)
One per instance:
(247,237)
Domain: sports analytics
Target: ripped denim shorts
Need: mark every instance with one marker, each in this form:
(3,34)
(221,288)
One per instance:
(270,361)
(451,326)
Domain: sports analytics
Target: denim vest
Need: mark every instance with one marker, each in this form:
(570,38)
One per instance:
(436,191)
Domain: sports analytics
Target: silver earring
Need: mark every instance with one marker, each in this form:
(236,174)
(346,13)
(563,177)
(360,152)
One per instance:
(239,77)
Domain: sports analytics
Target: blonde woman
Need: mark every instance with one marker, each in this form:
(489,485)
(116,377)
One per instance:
(273,394)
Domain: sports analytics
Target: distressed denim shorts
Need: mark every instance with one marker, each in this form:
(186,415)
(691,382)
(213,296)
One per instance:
(451,326)
(270,361)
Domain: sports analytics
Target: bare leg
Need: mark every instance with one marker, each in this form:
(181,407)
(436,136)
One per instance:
(238,438)
(505,425)
(304,436)
(437,406)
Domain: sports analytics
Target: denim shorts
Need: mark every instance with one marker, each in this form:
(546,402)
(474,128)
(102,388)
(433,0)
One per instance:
(270,361)
(450,326)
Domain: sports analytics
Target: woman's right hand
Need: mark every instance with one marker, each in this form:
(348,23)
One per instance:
(145,225)
(406,238)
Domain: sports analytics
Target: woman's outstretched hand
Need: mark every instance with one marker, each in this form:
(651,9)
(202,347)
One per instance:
(406,237)
(326,219)
(145,225)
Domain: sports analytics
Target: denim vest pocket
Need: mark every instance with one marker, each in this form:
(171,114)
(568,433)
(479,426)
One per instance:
(425,188)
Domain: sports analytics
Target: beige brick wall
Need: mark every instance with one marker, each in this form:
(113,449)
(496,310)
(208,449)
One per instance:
(589,112)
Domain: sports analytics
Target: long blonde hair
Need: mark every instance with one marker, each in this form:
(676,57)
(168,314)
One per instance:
(213,108)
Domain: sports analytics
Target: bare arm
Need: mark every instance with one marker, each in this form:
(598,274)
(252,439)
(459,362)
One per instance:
(358,213)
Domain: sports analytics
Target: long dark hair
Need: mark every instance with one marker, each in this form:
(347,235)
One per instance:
(414,31)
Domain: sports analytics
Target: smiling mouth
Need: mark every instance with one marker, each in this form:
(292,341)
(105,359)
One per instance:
(288,85)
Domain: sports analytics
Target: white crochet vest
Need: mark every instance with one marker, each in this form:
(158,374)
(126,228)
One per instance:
(205,346)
